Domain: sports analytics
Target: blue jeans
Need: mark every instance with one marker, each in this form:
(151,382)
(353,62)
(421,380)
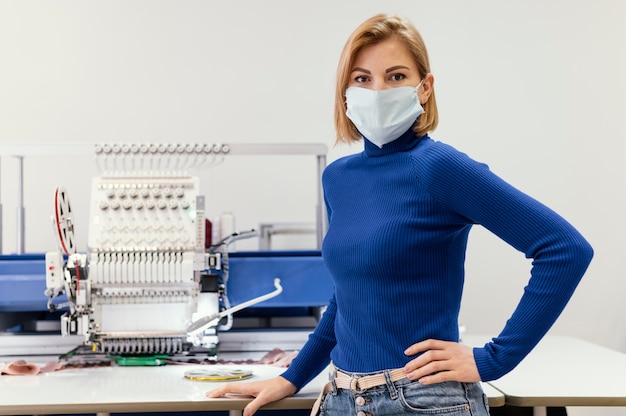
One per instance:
(405,397)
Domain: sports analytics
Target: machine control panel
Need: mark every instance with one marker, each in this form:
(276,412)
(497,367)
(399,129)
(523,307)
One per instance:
(143,214)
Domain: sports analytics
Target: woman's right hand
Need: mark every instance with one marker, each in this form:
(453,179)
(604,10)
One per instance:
(263,391)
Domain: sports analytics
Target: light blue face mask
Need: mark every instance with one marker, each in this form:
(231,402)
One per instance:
(381,116)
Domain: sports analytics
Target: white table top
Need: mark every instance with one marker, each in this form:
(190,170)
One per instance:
(130,389)
(561,371)
(142,389)
(564,371)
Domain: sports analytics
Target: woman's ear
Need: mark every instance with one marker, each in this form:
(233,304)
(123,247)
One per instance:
(426,89)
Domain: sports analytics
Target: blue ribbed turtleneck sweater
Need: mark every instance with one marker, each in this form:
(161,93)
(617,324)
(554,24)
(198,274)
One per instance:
(399,218)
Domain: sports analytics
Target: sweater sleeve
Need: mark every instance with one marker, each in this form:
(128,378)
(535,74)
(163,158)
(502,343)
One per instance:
(315,354)
(560,254)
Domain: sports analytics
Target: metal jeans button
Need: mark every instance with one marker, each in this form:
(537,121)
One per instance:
(360,401)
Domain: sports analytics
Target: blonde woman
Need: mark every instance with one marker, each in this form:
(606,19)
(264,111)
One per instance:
(399,217)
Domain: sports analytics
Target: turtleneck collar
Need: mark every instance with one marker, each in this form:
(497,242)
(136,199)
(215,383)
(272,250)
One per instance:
(403,143)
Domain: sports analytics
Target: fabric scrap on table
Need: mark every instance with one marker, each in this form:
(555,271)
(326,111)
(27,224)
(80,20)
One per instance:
(24,368)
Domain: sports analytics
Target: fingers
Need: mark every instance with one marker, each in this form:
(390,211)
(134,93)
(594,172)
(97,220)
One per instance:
(427,345)
(441,361)
(428,363)
(233,389)
(219,392)
(434,354)
(238,390)
(252,407)
(440,377)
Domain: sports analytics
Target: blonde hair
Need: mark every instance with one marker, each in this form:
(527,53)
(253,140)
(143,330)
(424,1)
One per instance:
(374,30)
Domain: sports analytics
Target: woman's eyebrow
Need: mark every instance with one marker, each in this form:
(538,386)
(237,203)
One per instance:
(395,68)
(358,69)
(388,70)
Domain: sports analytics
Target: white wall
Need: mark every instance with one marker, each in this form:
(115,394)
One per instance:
(535,88)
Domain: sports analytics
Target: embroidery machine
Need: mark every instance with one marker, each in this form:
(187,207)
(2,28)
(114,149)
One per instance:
(149,283)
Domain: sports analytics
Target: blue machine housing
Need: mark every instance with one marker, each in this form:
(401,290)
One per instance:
(22,283)
(305,279)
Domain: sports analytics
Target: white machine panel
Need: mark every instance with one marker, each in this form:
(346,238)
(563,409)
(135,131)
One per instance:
(144,214)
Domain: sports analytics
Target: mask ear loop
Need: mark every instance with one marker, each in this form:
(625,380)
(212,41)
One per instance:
(417,90)
(418,87)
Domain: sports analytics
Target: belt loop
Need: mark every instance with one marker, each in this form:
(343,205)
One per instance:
(393,391)
(332,376)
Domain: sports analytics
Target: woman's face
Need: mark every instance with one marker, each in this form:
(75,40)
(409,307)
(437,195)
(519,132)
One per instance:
(387,64)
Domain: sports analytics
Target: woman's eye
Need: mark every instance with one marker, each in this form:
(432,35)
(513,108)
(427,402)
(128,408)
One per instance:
(397,77)
(360,79)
